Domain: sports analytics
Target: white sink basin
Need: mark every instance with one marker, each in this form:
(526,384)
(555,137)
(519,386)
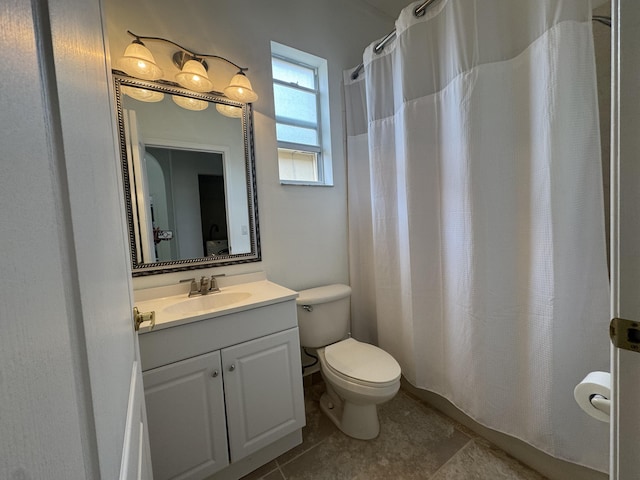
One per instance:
(172,307)
(206,302)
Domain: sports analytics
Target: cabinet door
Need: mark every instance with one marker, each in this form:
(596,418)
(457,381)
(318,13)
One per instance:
(263,391)
(185,411)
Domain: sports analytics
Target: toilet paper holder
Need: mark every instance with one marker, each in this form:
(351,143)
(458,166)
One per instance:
(593,395)
(601,402)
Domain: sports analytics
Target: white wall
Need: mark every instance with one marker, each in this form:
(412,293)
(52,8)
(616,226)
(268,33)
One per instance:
(303,229)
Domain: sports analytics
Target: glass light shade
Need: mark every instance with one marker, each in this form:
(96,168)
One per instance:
(190,103)
(240,90)
(229,110)
(138,62)
(143,94)
(194,77)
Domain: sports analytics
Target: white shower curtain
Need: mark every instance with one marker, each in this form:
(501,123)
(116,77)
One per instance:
(477,243)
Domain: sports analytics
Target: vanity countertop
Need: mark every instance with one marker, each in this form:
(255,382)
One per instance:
(178,309)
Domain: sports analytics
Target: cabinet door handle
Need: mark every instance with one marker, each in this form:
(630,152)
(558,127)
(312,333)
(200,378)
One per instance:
(232,367)
(214,374)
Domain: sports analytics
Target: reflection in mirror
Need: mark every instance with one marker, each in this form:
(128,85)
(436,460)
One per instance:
(189,177)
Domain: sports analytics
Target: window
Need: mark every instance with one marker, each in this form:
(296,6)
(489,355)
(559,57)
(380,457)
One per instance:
(301,105)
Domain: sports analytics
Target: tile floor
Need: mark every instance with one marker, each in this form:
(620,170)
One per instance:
(416,442)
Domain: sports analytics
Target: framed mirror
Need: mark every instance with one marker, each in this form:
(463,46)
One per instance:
(189,177)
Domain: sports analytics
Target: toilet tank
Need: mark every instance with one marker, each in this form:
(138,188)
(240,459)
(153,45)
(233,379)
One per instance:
(323,315)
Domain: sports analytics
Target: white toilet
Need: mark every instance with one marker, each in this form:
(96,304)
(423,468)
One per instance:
(358,375)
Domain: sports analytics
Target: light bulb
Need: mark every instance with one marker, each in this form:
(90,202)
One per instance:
(143,94)
(138,62)
(194,77)
(240,90)
(229,110)
(190,103)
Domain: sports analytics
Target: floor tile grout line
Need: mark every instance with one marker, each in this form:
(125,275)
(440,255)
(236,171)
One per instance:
(422,408)
(459,426)
(451,458)
(301,453)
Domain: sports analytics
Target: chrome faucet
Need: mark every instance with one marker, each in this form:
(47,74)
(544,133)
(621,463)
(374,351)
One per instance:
(207,285)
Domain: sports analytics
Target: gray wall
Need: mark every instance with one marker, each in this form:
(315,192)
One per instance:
(303,229)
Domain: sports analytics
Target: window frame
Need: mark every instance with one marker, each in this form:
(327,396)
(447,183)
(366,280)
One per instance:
(322,147)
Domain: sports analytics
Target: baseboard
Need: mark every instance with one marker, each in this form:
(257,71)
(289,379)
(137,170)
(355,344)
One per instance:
(550,467)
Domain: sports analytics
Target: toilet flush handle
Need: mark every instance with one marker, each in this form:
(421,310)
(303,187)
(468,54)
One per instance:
(308,308)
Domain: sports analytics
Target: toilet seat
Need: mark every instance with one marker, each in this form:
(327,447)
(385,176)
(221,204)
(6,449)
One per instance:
(362,363)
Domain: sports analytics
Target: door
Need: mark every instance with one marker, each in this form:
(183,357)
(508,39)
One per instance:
(140,201)
(45,398)
(625,227)
(95,244)
(136,453)
(67,346)
(263,391)
(185,408)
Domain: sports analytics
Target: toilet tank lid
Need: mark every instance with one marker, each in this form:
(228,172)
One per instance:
(327,293)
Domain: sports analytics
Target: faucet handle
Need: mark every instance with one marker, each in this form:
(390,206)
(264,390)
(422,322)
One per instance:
(214,282)
(193,288)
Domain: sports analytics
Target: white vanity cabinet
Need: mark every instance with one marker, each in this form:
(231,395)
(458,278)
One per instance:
(261,389)
(223,394)
(186,417)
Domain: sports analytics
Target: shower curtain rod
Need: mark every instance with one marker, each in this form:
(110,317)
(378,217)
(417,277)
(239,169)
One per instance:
(602,19)
(419,12)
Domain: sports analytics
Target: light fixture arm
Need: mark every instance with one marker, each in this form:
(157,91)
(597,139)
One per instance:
(195,55)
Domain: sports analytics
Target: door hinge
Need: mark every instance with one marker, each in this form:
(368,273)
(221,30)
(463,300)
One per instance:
(625,334)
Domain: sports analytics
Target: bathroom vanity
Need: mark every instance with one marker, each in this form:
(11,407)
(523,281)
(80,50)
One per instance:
(222,379)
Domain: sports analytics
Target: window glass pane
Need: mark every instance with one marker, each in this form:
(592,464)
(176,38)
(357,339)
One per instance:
(295,104)
(292,73)
(298,165)
(291,134)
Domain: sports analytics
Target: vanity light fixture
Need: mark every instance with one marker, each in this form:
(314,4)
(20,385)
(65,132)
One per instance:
(138,62)
(143,94)
(194,76)
(190,103)
(240,90)
(229,110)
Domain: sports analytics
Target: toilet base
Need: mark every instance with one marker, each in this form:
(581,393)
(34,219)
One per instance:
(357,421)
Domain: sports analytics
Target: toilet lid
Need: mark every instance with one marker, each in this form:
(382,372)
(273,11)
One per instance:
(362,361)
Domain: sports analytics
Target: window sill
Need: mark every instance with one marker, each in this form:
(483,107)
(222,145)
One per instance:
(305,184)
